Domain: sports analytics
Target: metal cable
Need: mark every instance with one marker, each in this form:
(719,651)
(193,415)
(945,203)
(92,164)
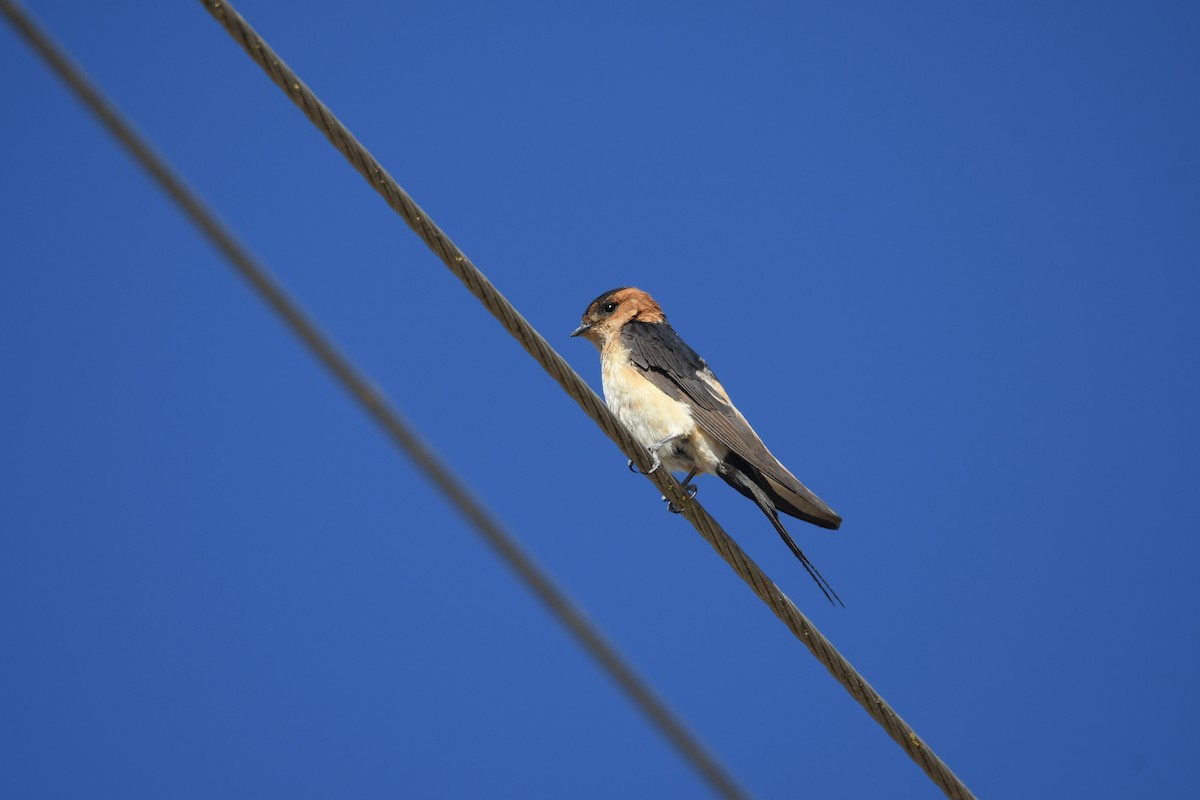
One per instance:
(553,363)
(377,405)
(745,568)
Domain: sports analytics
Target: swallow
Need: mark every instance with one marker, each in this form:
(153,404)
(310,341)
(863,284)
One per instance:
(675,407)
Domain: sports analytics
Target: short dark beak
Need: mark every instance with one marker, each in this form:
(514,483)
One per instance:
(582,328)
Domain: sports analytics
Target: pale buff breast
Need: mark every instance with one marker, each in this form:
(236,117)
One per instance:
(649,414)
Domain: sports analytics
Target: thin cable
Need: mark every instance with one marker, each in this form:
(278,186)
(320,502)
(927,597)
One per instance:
(553,363)
(377,405)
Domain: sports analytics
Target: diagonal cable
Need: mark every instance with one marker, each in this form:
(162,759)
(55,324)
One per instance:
(553,363)
(821,648)
(377,405)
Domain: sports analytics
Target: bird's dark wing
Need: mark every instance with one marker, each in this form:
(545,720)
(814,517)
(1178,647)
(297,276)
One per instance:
(672,366)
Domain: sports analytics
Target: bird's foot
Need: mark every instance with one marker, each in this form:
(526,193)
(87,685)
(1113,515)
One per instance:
(689,489)
(659,445)
(655,463)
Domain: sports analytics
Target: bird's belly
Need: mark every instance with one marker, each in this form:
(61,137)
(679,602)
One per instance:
(649,414)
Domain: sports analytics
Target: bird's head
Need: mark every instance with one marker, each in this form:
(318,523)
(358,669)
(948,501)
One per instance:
(610,311)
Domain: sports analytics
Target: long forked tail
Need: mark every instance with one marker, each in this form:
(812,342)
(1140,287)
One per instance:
(744,484)
(822,584)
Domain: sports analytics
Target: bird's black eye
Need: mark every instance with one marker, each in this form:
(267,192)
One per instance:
(608,307)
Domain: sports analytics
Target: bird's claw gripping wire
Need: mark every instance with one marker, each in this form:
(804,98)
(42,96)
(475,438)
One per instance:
(654,464)
(653,449)
(689,489)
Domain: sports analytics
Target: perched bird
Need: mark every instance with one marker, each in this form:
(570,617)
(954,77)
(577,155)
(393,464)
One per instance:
(671,402)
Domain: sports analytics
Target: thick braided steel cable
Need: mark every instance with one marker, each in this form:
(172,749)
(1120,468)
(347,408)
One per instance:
(377,405)
(458,263)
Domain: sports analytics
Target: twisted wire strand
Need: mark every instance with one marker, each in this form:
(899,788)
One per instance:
(458,263)
(377,405)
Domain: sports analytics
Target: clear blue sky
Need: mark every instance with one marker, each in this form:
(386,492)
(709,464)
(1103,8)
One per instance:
(946,259)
